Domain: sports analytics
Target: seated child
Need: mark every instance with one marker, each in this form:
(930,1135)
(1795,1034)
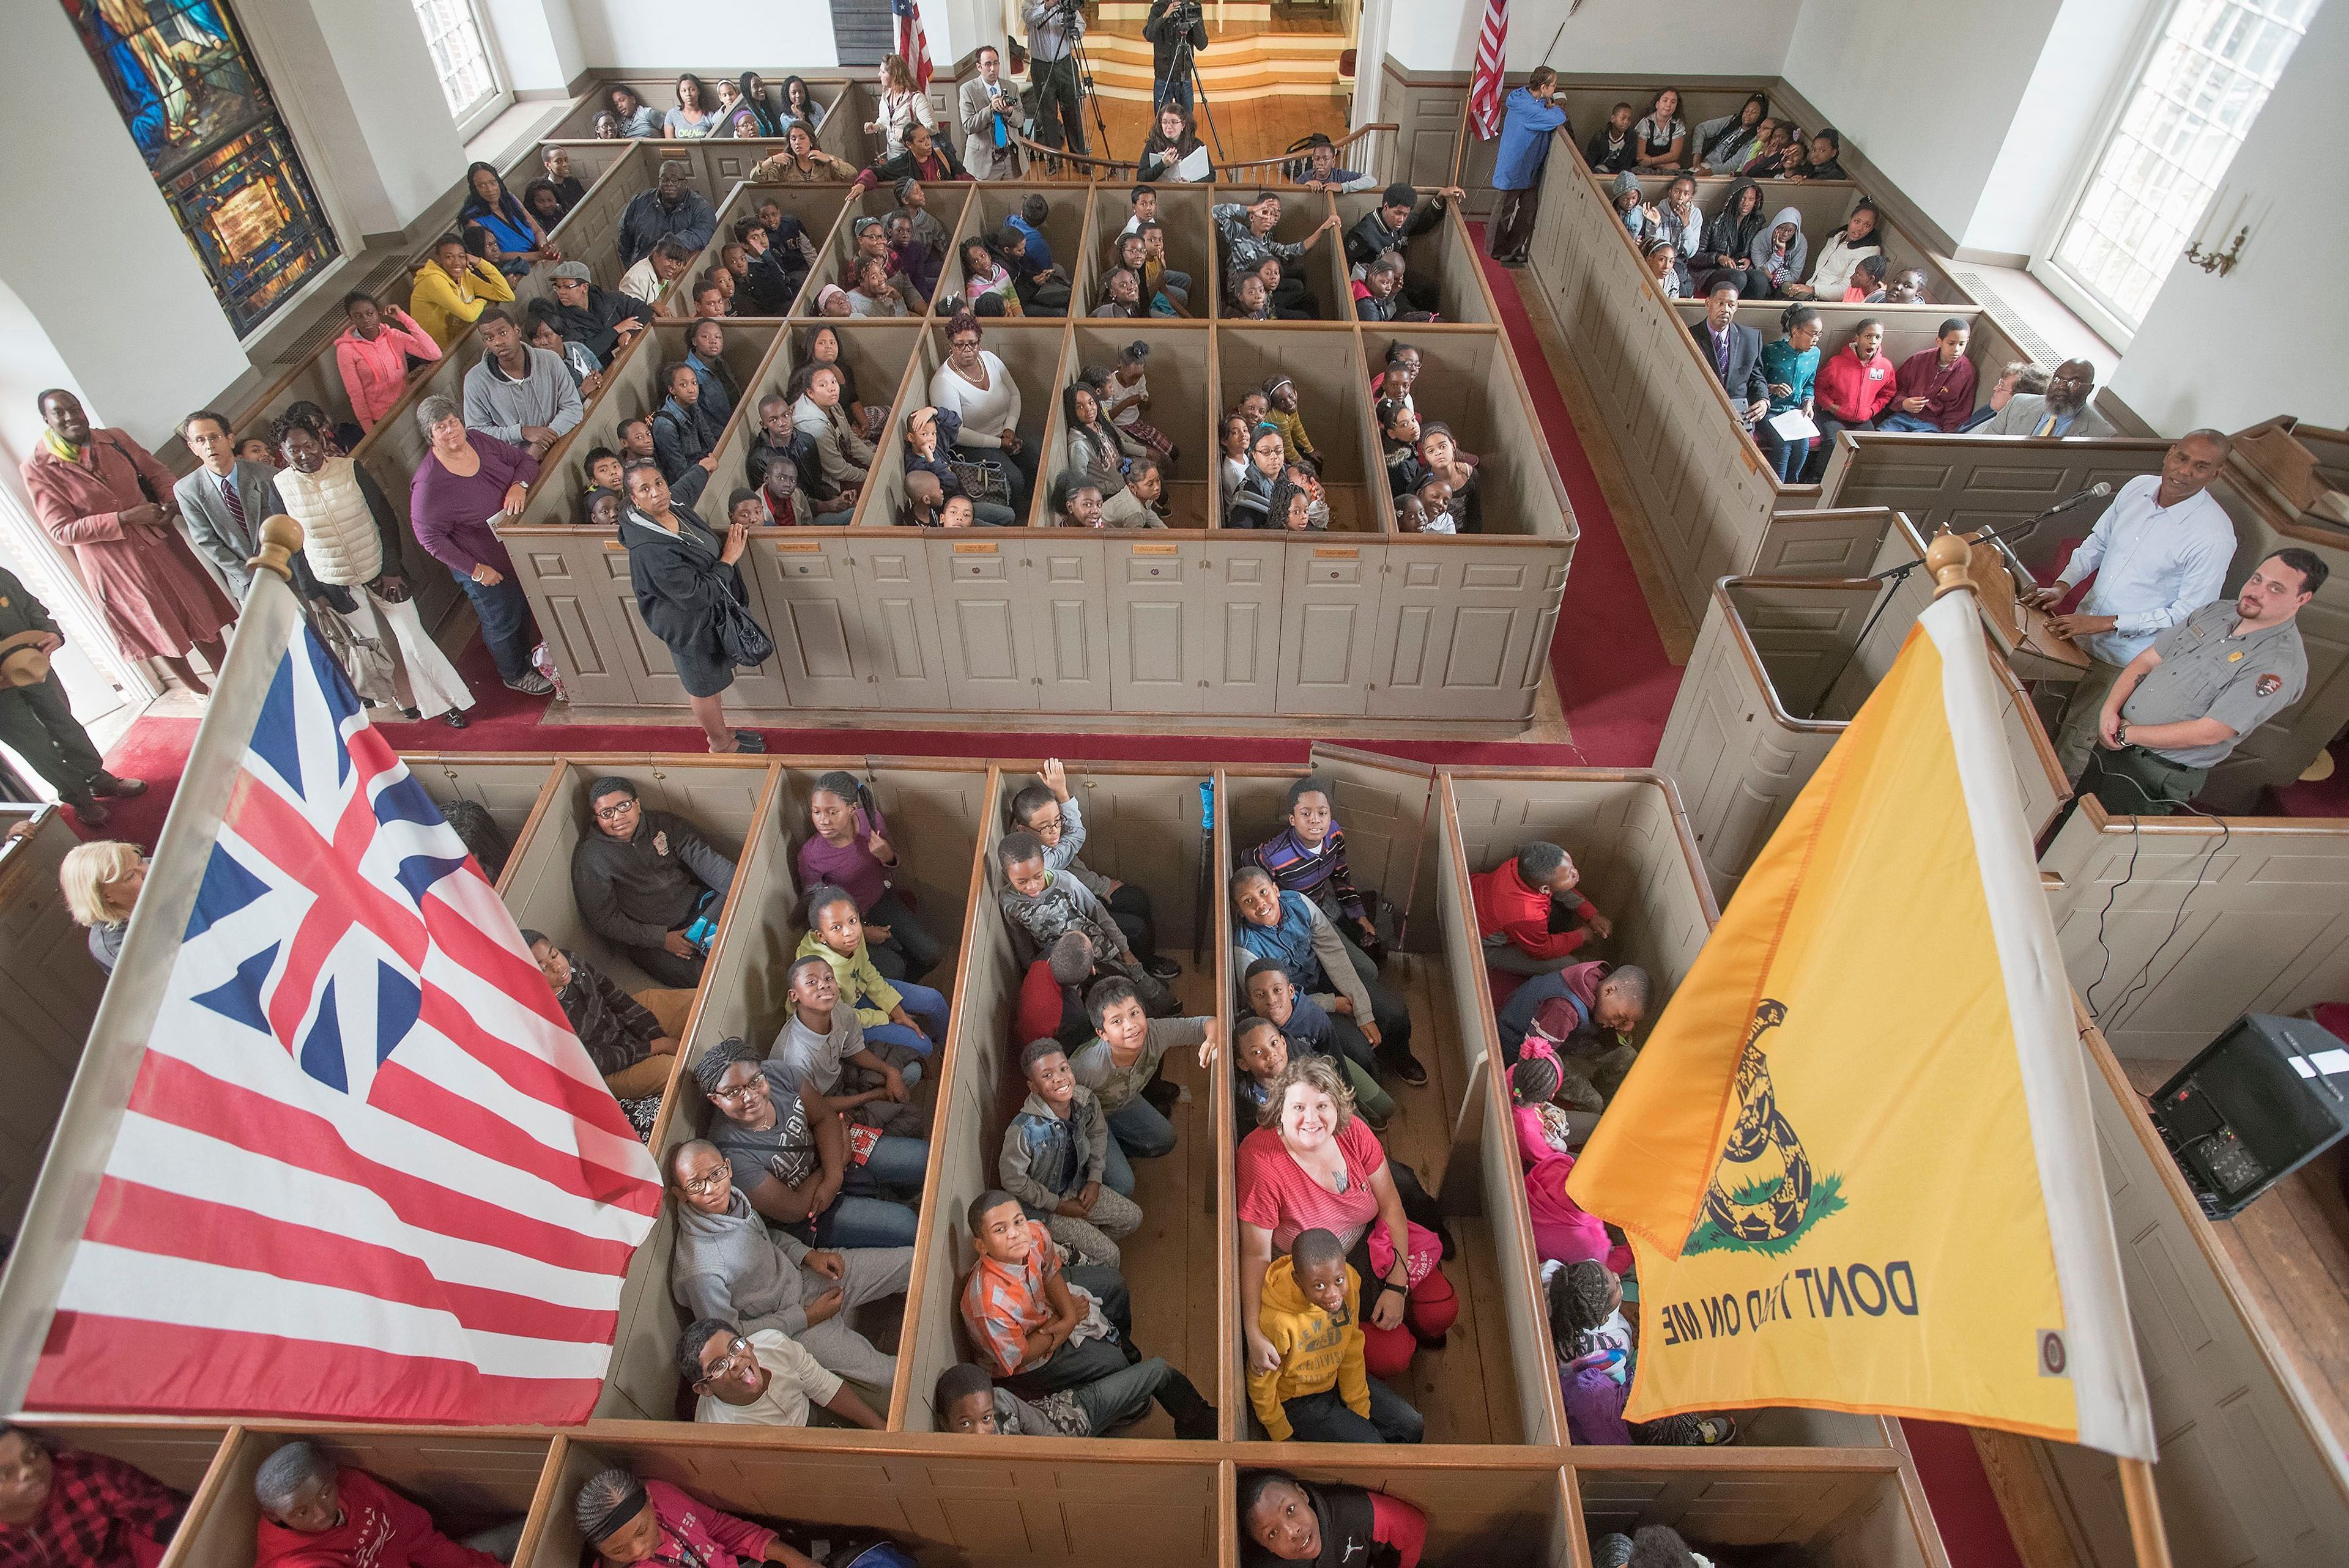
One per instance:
(629,1521)
(1271,995)
(1543,1129)
(1321,1392)
(1330,1523)
(763,1378)
(1525,911)
(1052,996)
(1309,856)
(1607,998)
(969,1401)
(1048,905)
(1591,1063)
(1411,515)
(1316,502)
(1055,816)
(1055,1155)
(1041,1329)
(850,849)
(822,1039)
(1596,1355)
(925,497)
(628,1044)
(1119,1062)
(904,1014)
(797,1158)
(316,1514)
(1291,928)
(1436,514)
(1563,1231)
(1652,1546)
(1282,414)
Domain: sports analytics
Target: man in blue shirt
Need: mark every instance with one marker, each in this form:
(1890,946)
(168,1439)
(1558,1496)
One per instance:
(1529,117)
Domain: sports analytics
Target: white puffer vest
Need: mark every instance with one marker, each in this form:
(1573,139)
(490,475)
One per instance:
(338,533)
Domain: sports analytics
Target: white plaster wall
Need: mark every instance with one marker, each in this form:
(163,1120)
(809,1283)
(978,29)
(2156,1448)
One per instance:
(1714,37)
(660,35)
(2083,72)
(538,41)
(2227,352)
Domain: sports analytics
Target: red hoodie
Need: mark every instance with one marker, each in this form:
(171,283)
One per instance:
(379,1529)
(1854,392)
(1507,907)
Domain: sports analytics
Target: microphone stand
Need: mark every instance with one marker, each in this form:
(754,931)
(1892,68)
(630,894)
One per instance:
(1895,575)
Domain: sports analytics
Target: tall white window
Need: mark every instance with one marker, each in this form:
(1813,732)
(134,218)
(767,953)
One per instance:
(461,56)
(2193,102)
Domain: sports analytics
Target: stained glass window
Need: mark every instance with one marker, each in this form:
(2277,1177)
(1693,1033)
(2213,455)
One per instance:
(194,101)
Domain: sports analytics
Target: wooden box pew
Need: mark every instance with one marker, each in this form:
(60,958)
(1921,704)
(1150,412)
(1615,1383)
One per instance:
(1069,229)
(1445,253)
(1033,1501)
(817,207)
(836,251)
(1034,352)
(840,133)
(1776,676)
(513,790)
(1588,103)
(1143,828)
(1182,405)
(1334,401)
(1483,1510)
(186,1455)
(1489,1383)
(713,167)
(49,991)
(468,1478)
(1854,1508)
(1824,205)
(1183,212)
(2238,1320)
(1323,267)
(2256,904)
(934,813)
(1990,481)
(1907,329)
(590,232)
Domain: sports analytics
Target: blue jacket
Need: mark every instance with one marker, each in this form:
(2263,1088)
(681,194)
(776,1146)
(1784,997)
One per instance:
(1046,1159)
(1527,123)
(1290,942)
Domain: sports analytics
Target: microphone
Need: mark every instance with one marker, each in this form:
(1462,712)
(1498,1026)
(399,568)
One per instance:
(2096,491)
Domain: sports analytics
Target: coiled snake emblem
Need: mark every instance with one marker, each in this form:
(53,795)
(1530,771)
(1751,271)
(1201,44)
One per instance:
(1762,1188)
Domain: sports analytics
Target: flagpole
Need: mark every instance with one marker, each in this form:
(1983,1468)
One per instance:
(1949,557)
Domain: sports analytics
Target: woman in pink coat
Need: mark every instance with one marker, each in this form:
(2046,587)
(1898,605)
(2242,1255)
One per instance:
(373,355)
(87,491)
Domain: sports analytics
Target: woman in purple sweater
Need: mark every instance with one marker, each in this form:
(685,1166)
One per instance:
(850,848)
(466,482)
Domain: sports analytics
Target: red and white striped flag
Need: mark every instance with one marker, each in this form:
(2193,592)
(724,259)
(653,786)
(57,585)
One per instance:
(363,1170)
(1486,89)
(912,42)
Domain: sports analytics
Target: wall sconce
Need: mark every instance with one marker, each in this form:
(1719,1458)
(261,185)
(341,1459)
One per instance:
(2219,262)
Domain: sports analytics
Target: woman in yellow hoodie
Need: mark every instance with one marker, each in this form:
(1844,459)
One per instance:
(452,289)
(898,1014)
(1322,1391)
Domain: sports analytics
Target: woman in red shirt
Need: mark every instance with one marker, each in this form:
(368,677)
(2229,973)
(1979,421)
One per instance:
(1852,390)
(1317,1166)
(1936,390)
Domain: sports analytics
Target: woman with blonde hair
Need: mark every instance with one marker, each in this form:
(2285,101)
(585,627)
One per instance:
(903,106)
(101,880)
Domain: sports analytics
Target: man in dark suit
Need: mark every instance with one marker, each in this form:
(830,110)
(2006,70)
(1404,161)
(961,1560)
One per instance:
(225,499)
(1735,353)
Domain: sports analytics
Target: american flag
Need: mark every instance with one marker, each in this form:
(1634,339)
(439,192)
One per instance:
(366,1170)
(912,42)
(1485,87)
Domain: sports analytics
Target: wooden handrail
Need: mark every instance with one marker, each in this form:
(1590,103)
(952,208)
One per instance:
(1117,171)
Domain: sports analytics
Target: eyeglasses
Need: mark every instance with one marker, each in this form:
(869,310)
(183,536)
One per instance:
(737,1092)
(736,1349)
(613,813)
(702,1186)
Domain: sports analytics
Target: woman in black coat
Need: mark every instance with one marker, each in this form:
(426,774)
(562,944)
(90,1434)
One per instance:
(684,576)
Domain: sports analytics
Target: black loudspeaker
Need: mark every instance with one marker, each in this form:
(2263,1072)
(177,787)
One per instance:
(2256,1104)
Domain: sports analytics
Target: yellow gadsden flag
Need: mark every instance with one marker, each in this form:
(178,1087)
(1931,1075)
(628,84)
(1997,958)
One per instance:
(1855,1161)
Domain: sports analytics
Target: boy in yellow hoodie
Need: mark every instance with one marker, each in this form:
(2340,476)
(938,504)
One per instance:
(899,1014)
(1322,1392)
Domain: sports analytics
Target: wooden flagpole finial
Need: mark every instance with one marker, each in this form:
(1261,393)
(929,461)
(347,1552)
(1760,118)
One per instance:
(2146,1533)
(281,536)
(1948,556)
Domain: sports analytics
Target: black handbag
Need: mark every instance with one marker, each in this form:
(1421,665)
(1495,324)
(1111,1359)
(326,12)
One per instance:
(745,641)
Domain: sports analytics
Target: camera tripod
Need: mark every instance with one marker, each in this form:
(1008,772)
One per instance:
(1072,18)
(1185,63)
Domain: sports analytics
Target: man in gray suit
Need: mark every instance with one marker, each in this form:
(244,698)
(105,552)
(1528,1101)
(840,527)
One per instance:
(225,501)
(979,102)
(2062,411)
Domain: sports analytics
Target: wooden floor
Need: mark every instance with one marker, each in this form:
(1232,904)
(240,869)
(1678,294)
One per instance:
(2291,1251)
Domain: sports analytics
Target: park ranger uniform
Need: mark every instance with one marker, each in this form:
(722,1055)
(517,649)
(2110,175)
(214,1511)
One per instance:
(2205,672)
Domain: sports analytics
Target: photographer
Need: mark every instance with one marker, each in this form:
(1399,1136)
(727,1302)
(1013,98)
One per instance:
(989,108)
(1170,26)
(1054,30)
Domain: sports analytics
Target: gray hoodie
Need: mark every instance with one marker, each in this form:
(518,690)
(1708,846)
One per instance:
(498,405)
(1788,268)
(731,1266)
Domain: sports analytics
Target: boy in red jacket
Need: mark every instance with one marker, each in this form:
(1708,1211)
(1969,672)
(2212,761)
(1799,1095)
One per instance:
(317,1514)
(1525,911)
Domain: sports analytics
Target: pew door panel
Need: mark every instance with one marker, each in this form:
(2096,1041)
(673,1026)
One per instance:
(813,612)
(986,629)
(1159,592)
(1243,614)
(1332,599)
(1064,600)
(1464,629)
(571,573)
(893,641)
